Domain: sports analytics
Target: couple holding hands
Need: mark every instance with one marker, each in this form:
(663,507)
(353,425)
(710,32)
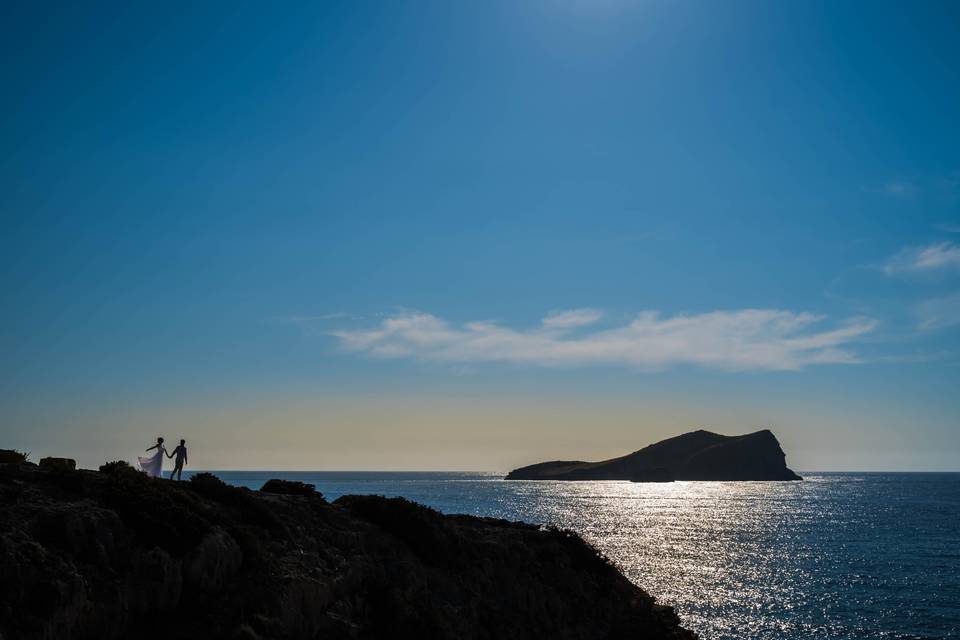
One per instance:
(153,466)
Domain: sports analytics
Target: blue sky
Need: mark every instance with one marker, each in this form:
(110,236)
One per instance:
(453,235)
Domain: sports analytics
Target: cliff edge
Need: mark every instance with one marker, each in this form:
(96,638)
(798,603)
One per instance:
(698,455)
(115,554)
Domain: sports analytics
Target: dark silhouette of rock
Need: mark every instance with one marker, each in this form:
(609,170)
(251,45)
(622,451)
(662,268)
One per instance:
(58,464)
(698,455)
(289,488)
(120,555)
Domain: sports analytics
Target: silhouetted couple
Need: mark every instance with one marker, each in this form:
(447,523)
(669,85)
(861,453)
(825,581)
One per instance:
(153,466)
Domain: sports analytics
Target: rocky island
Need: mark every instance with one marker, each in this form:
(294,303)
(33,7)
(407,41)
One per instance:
(698,455)
(115,554)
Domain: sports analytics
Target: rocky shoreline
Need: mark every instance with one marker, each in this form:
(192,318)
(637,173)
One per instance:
(114,554)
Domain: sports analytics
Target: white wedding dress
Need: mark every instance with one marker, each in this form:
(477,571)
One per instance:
(153,465)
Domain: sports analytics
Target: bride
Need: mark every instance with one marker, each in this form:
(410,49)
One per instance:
(154,464)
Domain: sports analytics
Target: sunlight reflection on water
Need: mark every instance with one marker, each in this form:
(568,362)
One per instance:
(820,558)
(835,556)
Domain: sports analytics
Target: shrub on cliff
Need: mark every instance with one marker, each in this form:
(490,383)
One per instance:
(213,488)
(8,456)
(420,527)
(115,467)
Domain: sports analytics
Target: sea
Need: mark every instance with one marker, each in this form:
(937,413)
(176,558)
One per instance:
(836,556)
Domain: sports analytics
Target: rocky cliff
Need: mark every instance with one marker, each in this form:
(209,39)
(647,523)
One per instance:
(114,554)
(698,455)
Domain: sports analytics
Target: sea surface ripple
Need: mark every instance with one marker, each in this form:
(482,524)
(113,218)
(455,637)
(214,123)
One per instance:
(839,555)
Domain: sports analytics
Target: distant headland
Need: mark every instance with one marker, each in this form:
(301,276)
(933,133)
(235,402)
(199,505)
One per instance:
(698,455)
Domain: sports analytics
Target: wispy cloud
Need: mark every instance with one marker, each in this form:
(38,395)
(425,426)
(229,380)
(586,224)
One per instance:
(317,318)
(939,313)
(896,189)
(929,186)
(934,257)
(744,340)
(572,318)
(313,324)
(950,184)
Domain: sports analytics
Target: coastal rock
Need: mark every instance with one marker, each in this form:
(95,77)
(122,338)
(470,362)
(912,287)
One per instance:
(116,554)
(214,562)
(698,455)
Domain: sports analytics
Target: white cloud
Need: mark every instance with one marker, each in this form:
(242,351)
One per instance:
(933,257)
(744,340)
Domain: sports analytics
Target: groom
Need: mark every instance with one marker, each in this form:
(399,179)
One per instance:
(181,454)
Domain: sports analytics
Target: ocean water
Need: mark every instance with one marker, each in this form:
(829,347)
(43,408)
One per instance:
(839,555)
